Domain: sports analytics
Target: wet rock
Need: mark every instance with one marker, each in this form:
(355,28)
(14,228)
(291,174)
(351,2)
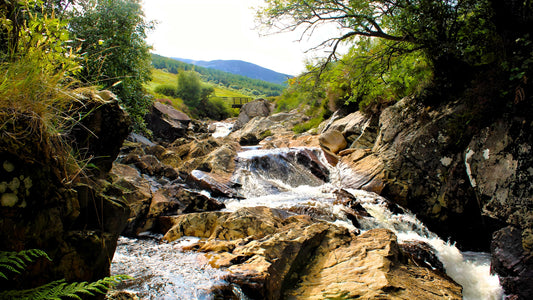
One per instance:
(294,167)
(369,267)
(423,255)
(263,128)
(167,123)
(150,165)
(512,262)
(136,191)
(250,110)
(310,160)
(273,255)
(353,208)
(217,188)
(359,130)
(417,161)
(175,200)
(121,295)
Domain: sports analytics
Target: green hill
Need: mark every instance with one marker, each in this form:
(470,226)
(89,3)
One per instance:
(239,84)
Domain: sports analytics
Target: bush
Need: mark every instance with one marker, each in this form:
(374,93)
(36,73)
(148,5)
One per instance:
(167,90)
(215,109)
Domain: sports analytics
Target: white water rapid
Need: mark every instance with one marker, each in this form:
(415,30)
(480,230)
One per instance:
(277,179)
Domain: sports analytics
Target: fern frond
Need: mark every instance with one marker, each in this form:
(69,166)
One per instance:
(60,289)
(17,261)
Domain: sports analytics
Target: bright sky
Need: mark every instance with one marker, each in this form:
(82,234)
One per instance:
(221,29)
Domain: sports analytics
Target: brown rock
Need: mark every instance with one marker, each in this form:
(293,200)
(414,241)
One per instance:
(370,267)
(250,110)
(167,123)
(272,255)
(332,141)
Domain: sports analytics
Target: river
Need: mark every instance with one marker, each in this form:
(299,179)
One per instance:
(275,179)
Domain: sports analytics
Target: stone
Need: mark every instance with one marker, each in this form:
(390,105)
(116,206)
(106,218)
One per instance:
(267,128)
(512,263)
(137,193)
(100,133)
(271,254)
(250,110)
(75,215)
(422,254)
(332,141)
(370,267)
(166,122)
(205,181)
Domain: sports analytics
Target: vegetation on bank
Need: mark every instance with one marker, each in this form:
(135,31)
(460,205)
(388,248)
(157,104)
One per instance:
(440,51)
(46,62)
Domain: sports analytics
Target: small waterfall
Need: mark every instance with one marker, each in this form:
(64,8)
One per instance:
(297,180)
(471,269)
(222,129)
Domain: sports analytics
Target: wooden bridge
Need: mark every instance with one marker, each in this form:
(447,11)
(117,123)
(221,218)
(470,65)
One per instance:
(238,102)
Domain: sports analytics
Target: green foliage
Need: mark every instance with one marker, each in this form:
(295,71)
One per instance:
(214,108)
(32,27)
(61,289)
(453,37)
(304,127)
(242,84)
(189,88)
(198,97)
(111,36)
(367,75)
(16,262)
(167,90)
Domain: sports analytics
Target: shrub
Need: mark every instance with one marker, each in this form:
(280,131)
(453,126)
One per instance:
(167,90)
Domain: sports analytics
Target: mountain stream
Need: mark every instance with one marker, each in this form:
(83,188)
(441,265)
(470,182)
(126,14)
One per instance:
(276,179)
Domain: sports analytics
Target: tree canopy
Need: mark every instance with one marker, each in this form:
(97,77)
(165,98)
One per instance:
(111,35)
(449,33)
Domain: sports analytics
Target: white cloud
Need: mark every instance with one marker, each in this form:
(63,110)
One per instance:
(221,29)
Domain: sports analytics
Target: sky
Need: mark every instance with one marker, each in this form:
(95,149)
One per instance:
(223,29)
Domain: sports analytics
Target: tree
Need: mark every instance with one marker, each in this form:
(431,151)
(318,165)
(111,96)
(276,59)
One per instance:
(453,35)
(111,35)
(189,88)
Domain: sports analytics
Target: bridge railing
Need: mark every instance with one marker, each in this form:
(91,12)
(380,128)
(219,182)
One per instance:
(237,102)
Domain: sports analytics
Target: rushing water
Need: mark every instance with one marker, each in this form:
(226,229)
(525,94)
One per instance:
(274,178)
(164,270)
(222,129)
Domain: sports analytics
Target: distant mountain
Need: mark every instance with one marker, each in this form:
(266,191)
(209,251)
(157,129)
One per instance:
(240,67)
(243,84)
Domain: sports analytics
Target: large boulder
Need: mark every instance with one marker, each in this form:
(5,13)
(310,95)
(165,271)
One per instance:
(250,110)
(513,262)
(464,173)
(166,122)
(48,204)
(332,141)
(417,161)
(99,133)
(499,166)
(275,255)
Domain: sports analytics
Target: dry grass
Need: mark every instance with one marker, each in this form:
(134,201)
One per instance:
(33,103)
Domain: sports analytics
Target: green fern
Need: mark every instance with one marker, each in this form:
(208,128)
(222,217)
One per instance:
(16,262)
(60,289)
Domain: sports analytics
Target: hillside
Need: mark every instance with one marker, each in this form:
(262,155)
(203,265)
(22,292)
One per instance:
(243,68)
(239,83)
